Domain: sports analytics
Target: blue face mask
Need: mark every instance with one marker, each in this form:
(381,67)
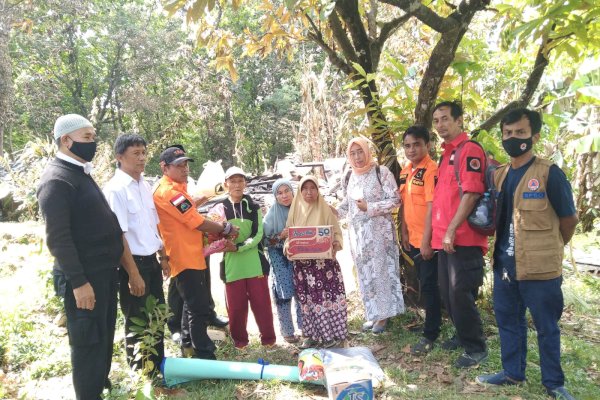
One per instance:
(85,150)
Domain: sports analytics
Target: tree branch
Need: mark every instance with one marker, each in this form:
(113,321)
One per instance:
(348,11)
(386,31)
(425,14)
(317,37)
(339,34)
(533,81)
(333,56)
(390,27)
(441,57)
(372,19)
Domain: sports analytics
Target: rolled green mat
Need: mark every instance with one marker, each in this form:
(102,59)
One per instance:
(180,370)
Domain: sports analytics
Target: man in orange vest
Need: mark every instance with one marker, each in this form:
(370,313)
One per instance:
(417,185)
(536,217)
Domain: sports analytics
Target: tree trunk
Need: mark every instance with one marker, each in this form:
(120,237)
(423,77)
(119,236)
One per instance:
(381,135)
(588,196)
(440,59)
(1,140)
(6,82)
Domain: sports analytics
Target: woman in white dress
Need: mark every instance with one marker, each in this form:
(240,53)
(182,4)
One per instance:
(370,197)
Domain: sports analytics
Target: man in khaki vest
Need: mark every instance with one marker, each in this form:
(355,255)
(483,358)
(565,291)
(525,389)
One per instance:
(536,217)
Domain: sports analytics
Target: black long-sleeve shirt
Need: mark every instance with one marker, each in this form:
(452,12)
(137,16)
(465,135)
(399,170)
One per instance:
(82,232)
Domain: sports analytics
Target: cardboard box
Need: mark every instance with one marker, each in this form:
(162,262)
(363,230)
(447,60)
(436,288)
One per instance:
(354,390)
(308,242)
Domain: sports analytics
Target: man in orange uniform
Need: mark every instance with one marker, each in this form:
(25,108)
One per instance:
(181,227)
(417,184)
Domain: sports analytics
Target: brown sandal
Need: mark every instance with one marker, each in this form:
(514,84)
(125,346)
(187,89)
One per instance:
(291,339)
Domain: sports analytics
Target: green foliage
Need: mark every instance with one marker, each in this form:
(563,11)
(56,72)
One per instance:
(492,143)
(130,69)
(20,340)
(572,26)
(150,330)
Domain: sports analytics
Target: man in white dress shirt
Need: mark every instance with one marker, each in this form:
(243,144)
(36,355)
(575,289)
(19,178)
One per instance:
(130,198)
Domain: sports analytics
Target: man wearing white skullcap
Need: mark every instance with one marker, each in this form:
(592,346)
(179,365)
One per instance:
(84,236)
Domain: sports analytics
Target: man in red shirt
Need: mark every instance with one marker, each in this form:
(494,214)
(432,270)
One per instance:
(460,260)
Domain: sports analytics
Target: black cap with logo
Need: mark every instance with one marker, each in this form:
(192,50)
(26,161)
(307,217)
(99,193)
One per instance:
(174,154)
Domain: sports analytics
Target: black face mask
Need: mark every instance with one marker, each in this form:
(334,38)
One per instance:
(516,147)
(85,150)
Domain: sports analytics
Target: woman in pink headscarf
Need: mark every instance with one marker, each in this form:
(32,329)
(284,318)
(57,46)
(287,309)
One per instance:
(370,197)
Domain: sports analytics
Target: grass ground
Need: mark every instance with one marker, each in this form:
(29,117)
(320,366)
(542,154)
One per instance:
(34,354)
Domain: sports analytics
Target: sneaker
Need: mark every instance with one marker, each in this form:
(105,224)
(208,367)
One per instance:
(367,326)
(451,344)
(467,360)
(421,348)
(308,343)
(560,393)
(499,379)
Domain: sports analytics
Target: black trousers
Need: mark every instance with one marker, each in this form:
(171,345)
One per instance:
(192,285)
(175,303)
(132,306)
(428,279)
(91,334)
(460,276)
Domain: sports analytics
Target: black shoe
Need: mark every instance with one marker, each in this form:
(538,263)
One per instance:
(451,344)
(560,393)
(467,360)
(498,379)
(219,322)
(421,348)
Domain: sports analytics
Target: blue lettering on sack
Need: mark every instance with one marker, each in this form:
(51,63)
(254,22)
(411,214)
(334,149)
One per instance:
(534,195)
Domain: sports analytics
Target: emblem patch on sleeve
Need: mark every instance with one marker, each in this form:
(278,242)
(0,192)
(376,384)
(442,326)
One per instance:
(181,203)
(473,164)
(403,178)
